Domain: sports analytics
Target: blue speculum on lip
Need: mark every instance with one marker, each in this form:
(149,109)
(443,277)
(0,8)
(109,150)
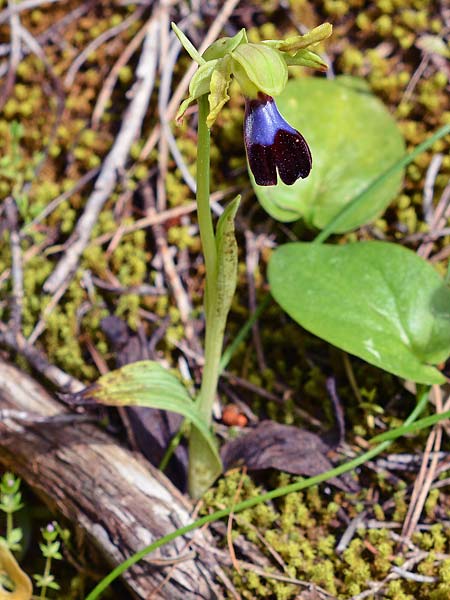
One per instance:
(272,144)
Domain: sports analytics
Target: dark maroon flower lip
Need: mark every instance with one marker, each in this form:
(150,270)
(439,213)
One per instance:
(272,144)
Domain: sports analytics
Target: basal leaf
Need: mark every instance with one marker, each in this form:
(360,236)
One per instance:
(376,300)
(147,383)
(353,139)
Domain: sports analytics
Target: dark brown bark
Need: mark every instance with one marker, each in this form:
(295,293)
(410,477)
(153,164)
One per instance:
(119,500)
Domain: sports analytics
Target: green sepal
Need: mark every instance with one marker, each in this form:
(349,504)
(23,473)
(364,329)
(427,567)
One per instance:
(305,58)
(187,45)
(219,84)
(301,42)
(259,68)
(220,48)
(199,86)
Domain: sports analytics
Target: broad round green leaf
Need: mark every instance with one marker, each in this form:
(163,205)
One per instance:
(353,139)
(376,300)
(147,383)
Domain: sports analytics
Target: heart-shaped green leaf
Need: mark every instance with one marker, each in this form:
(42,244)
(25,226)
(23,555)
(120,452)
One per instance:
(353,139)
(376,300)
(147,383)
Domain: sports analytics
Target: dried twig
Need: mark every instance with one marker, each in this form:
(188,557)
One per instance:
(220,573)
(15,419)
(110,81)
(285,579)
(53,204)
(253,245)
(29,254)
(159,218)
(350,532)
(338,410)
(181,298)
(427,472)
(38,360)
(231,550)
(15,53)
(97,42)
(404,574)
(49,308)
(428,188)
(114,162)
(14,9)
(163,147)
(172,108)
(417,75)
(438,221)
(163,100)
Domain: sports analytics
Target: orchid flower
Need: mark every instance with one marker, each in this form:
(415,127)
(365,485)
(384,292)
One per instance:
(272,145)
(273,148)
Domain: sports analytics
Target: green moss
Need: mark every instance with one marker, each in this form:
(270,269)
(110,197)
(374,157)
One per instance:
(323,574)
(302,528)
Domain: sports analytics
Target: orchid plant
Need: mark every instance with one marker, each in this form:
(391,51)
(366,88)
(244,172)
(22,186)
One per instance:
(273,148)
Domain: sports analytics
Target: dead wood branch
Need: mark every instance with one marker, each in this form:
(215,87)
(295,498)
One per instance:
(122,503)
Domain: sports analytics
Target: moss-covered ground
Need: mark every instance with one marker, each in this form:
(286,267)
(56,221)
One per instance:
(49,143)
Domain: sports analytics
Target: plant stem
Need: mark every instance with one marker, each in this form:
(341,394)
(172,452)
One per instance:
(47,568)
(9,525)
(213,327)
(202,468)
(205,223)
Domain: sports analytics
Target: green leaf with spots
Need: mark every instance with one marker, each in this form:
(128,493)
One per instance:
(353,139)
(227,261)
(376,300)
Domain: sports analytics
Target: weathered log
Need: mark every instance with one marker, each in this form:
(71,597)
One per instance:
(119,499)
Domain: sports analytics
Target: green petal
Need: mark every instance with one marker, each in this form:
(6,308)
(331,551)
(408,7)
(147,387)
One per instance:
(199,86)
(201,81)
(220,82)
(183,108)
(301,42)
(305,58)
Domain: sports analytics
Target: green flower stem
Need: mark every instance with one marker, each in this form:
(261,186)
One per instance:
(9,525)
(226,357)
(202,471)
(214,324)
(205,222)
(422,399)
